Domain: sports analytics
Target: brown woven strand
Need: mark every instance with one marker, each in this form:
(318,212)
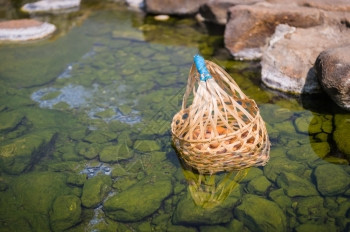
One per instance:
(222,129)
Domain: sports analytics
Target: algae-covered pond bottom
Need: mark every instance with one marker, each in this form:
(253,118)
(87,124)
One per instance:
(85,141)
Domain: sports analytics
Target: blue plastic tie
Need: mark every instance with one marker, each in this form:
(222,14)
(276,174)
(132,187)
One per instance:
(201,68)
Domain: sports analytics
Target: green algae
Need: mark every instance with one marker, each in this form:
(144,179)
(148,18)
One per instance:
(341,133)
(120,208)
(66,212)
(95,190)
(114,153)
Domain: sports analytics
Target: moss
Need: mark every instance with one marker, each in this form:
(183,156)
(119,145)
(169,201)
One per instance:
(95,189)
(331,179)
(111,154)
(124,183)
(37,191)
(274,114)
(66,212)
(124,138)
(18,154)
(10,119)
(106,113)
(146,145)
(321,149)
(77,179)
(50,95)
(100,136)
(118,171)
(88,150)
(341,135)
(259,214)
(258,185)
(280,198)
(295,186)
(119,207)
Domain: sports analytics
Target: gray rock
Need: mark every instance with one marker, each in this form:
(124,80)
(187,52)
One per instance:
(216,11)
(331,179)
(287,60)
(178,7)
(295,186)
(259,214)
(248,27)
(146,196)
(333,72)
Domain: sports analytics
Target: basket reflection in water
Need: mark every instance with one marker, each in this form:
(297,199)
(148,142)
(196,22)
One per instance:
(221,130)
(209,191)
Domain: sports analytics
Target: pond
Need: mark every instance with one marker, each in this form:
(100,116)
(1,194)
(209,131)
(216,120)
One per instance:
(85,142)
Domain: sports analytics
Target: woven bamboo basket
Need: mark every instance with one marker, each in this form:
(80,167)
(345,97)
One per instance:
(221,130)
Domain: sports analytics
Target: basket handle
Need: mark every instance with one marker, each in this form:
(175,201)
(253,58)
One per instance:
(204,74)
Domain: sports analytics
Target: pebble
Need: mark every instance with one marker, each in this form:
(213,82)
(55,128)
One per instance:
(161,17)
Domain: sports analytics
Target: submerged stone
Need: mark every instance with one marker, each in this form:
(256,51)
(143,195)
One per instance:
(95,190)
(315,227)
(295,186)
(321,149)
(88,150)
(280,198)
(253,172)
(187,212)
(36,191)
(139,201)
(259,185)
(110,154)
(66,212)
(310,209)
(274,113)
(259,214)
(9,120)
(302,124)
(302,153)
(146,145)
(76,179)
(341,135)
(100,137)
(331,179)
(16,155)
(277,165)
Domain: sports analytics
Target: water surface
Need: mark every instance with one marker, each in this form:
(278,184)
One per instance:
(85,140)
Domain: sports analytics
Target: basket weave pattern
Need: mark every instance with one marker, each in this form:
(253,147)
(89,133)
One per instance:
(222,129)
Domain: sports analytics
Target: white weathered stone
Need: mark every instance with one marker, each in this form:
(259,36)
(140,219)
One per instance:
(161,17)
(25,29)
(50,5)
(287,61)
(136,4)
